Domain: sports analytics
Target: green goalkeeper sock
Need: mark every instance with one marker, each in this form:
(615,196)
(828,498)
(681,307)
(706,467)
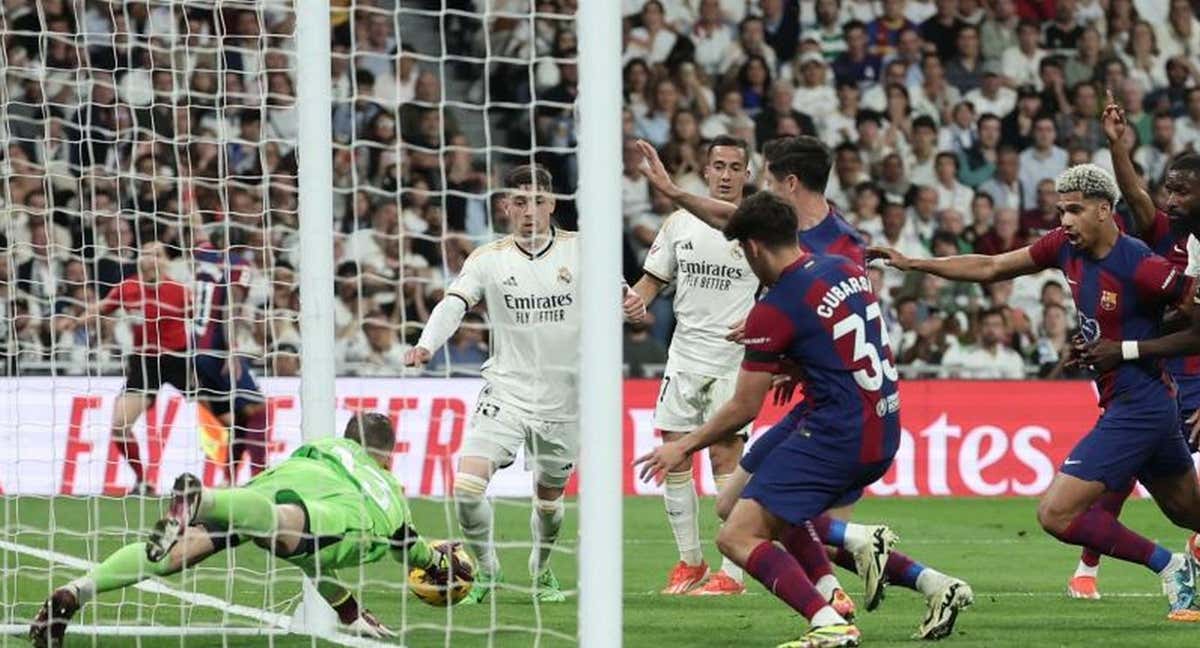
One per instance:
(124,567)
(242,510)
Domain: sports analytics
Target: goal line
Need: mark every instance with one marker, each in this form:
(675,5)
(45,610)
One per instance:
(272,623)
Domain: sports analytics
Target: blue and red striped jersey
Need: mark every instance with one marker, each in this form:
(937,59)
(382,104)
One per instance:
(822,316)
(834,235)
(1120,297)
(1164,243)
(217,272)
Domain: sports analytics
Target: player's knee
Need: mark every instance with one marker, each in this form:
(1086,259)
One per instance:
(469,487)
(1053,519)
(725,502)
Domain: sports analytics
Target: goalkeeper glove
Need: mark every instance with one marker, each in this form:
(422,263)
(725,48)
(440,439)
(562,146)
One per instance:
(360,621)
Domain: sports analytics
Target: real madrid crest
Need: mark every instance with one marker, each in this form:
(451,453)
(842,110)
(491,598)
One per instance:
(564,275)
(735,251)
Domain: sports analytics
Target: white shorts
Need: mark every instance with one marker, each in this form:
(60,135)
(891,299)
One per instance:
(498,430)
(687,400)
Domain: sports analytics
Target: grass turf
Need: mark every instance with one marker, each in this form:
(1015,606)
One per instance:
(1018,574)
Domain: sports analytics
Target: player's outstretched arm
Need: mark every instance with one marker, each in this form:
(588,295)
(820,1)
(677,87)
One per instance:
(354,618)
(962,267)
(1140,203)
(443,322)
(735,414)
(710,210)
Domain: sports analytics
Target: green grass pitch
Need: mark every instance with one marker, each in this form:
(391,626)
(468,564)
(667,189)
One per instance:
(1018,574)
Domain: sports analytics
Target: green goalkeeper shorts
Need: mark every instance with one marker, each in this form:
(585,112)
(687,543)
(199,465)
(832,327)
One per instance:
(343,528)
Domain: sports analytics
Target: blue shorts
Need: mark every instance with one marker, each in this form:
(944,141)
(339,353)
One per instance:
(1143,443)
(216,388)
(799,479)
(763,445)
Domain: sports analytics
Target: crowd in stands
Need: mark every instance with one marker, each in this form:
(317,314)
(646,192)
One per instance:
(146,120)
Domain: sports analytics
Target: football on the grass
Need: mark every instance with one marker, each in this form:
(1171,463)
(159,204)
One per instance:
(438,587)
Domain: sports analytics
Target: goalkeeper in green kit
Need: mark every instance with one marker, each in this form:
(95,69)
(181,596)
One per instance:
(332,504)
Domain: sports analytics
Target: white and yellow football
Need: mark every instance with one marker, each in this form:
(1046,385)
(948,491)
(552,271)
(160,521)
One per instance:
(438,587)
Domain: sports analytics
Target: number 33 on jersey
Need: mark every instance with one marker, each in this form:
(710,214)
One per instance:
(822,315)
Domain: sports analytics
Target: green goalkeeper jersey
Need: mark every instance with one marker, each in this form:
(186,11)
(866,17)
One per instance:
(384,502)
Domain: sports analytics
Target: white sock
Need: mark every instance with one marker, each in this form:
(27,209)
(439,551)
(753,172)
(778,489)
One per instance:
(929,580)
(1086,570)
(856,537)
(85,589)
(474,513)
(826,584)
(1176,563)
(544,523)
(826,616)
(732,570)
(679,495)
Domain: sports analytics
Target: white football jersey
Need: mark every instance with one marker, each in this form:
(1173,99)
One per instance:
(714,289)
(533,312)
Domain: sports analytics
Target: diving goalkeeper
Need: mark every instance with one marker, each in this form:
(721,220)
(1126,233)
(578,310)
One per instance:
(332,504)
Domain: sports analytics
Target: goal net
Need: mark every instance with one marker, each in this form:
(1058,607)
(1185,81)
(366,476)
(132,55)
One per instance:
(160,139)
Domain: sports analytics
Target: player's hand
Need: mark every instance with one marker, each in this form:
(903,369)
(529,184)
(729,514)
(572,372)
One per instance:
(445,563)
(1100,356)
(366,625)
(654,170)
(633,305)
(417,356)
(656,463)
(737,332)
(1194,434)
(784,387)
(889,256)
(1113,120)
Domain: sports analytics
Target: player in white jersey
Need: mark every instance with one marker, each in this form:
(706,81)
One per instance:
(529,282)
(714,289)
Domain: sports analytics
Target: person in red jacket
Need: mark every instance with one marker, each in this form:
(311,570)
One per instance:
(161,308)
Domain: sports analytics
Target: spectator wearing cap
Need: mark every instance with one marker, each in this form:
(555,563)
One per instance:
(992,96)
(826,28)
(712,37)
(883,33)
(941,30)
(1005,186)
(1187,128)
(781,24)
(965,71)
(978,163)
(1159,148)
(857,64)
(998,32)
(654,39)
(1063,34)
(813,95)
(1021,62)
(1044,160)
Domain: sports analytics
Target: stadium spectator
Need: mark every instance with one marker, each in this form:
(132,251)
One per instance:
(751,41)
(1000,31)
(712,37)
(991,358)
(1043,160)
(653,39)
(1004,235)
(965,71)
(1005,186)
(857,64)
(941,30)
(641,351)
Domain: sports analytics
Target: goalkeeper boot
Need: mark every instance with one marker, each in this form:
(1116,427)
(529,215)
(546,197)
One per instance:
(50,624)
(1179,584)
(485,582)
(952,597)
(185,503)
(546,588)
(830,636)
(871,560)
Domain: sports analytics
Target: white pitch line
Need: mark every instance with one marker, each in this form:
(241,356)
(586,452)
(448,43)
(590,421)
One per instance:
(279,623)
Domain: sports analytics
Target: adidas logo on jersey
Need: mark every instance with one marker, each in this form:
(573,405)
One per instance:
(511,282)
(687,245)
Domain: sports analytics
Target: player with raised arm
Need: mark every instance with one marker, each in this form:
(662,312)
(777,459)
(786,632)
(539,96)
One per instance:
(797,169)
(819,313)
(226,384)
(332,504)
(714,290)
(1121,290)
(1167,232)
(529,282)
(161,307)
